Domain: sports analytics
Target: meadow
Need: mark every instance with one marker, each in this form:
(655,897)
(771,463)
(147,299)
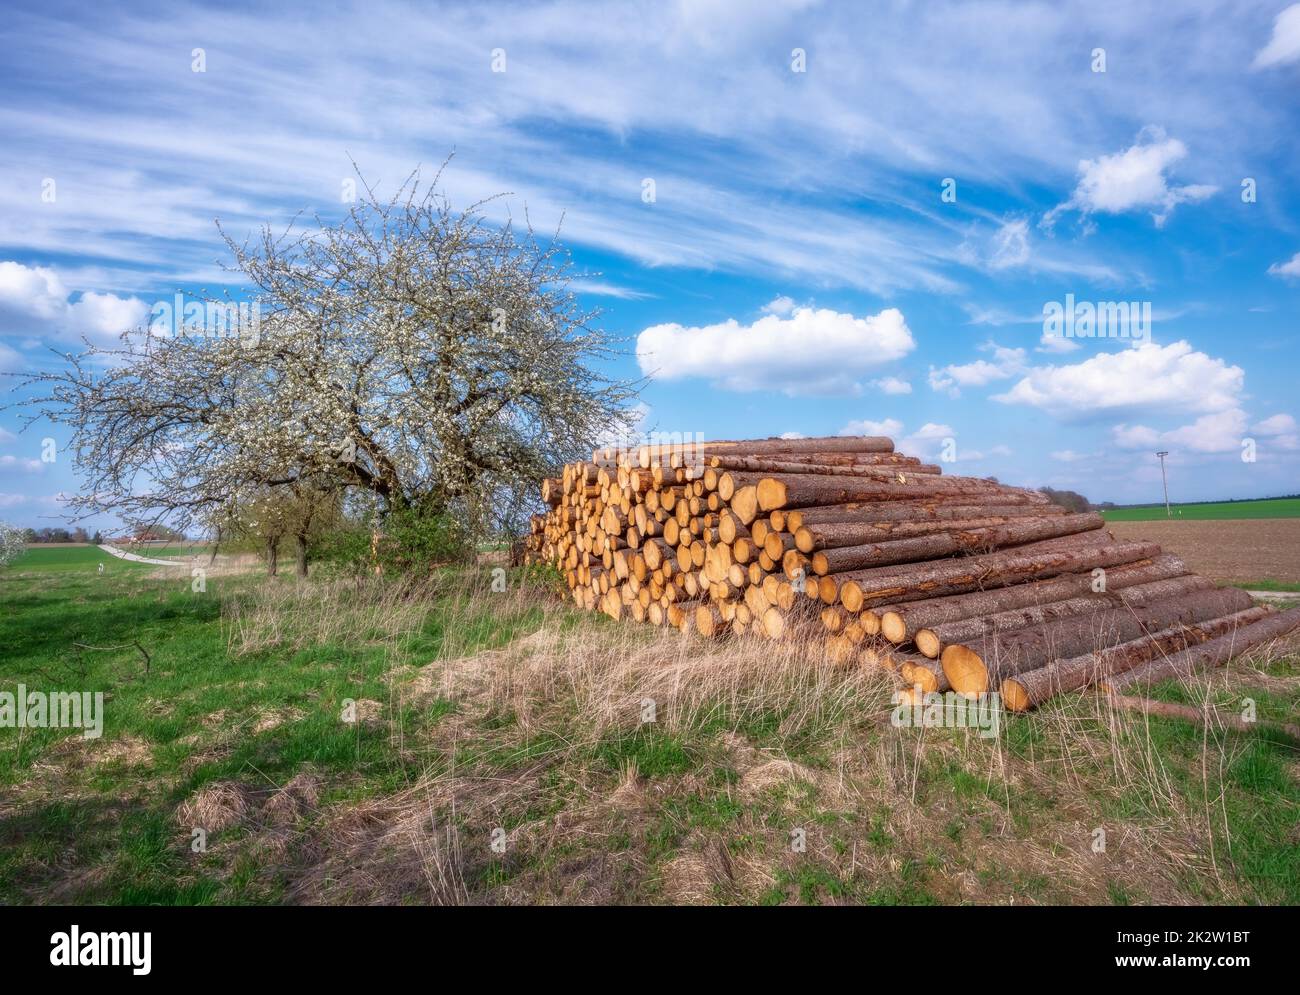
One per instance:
(434,741)
(1211,511)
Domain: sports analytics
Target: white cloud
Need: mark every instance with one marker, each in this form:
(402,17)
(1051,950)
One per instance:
(1275,425)
(892,385)
(1173,377)
(1218,432)
(1010,245)
(1134,178)
(1284,46)
(35,301)
(793,435)
(599,288)
(27,465)
(1067,456)
(12,500)
(1289,269)
(1049,342)
(1005,363)
(890,427)
(779,305)
(6,435)
(811,351)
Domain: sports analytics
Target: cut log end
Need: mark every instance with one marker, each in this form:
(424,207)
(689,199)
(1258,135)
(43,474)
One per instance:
(892,627)
(927,643)
(1014,695)
(744,504)
(965,670)
(771,494)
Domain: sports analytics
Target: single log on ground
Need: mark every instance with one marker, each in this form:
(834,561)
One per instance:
(941,544)
(1202,716)
(1033,687)
(1049,558)
(974,667)
(1214,653)
(902,623)
(931,640)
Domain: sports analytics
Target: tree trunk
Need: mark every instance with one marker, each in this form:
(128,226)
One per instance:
(940,544)
(1210,654)
(272,557)
(300,541)
(1049,558)
(1033,687)
(931,640)
(902,623)
(975,667)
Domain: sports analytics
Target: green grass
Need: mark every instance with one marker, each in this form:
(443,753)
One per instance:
(891,816)
(1213,511)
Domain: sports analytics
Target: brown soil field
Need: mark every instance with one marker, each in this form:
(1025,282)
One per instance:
(1236,551)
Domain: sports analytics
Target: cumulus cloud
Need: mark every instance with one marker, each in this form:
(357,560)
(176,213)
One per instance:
(1174,377)
(892,385)
(1219,432)
(1275,425)
(34,301)
(808,351)
(1289,269)
(1134,178)
(1284,46)
(891,427)
(793,435)
(1005,363)
(779,305)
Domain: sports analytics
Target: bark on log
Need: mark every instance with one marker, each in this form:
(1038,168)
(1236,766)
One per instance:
(1049,558)
(1026,690)
(646,455)
(880,512)
(777,464)
(901,623)
(940,544)
(798,490)
(930,641)
(1214,653)
(836,535)
(983,663)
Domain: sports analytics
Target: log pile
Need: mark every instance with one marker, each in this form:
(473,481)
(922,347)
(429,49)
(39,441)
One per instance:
(953,582)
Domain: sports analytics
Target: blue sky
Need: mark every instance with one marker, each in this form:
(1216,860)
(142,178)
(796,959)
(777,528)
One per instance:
(798,269)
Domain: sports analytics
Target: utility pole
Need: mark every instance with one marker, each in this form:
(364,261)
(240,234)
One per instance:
(1164,480)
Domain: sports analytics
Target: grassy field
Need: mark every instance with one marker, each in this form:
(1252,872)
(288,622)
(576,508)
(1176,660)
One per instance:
(1219,510)
(343,741)
(86,559)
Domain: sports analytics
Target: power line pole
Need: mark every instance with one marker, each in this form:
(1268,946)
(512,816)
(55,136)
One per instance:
(1165,480)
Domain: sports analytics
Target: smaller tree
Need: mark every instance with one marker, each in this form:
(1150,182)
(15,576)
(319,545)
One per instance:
(12,543)
(301,512)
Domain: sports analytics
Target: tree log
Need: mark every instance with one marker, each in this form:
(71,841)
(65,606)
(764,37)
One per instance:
(940,544)
(916,581)
(974,667)
(902,623)
(931,640)
(1182,666)
(932,510)
(1033,687)
(798,490)
(836,535)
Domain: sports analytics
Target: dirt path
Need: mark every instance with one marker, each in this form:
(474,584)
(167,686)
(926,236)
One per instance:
(123,555)
(1237,551)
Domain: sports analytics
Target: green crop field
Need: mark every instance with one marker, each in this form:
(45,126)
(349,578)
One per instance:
(87,558)
(1214,511)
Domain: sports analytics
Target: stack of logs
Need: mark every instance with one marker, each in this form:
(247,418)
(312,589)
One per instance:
(953,582)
